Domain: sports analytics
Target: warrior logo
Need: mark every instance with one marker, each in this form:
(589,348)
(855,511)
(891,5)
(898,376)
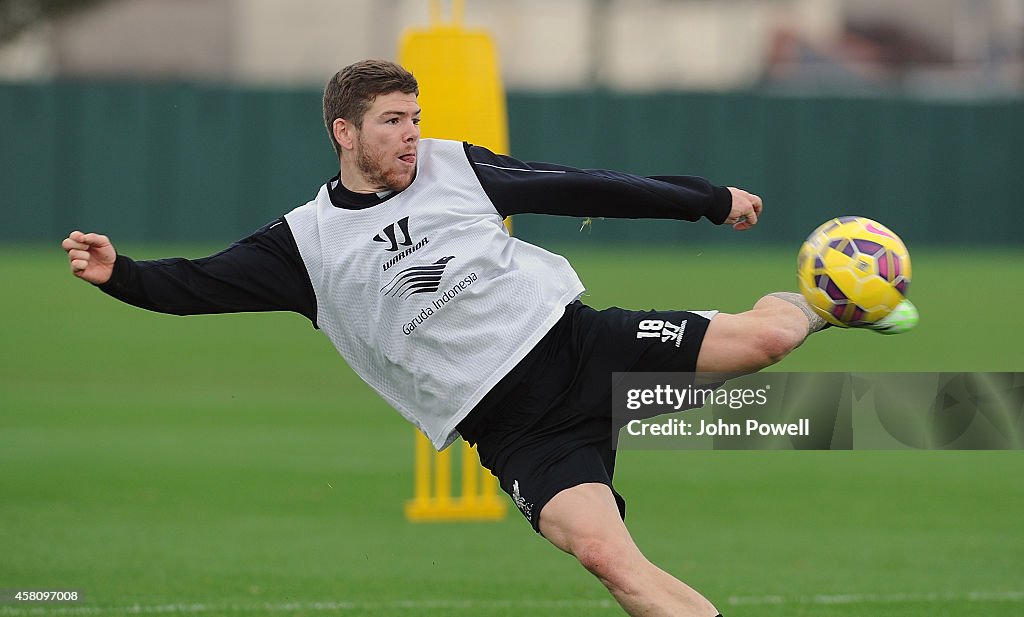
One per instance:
(417,279)
(390,235)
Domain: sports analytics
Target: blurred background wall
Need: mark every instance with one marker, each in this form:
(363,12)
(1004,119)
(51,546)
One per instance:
(175,120)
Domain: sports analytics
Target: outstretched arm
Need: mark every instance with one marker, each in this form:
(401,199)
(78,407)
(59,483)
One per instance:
(262,272)
(517,187)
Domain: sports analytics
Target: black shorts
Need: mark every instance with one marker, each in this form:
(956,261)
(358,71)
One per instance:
(547,426)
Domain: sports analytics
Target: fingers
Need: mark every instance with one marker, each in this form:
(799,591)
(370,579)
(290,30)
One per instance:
(748,215)
(78,257)
(91,257)
(745,223)
(78,266)
(76,236)
(746,209)
(79,240)
(95,240)
(758,204)
(68,244)
(749,219)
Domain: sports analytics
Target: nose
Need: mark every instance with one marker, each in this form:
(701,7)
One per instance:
(412,133)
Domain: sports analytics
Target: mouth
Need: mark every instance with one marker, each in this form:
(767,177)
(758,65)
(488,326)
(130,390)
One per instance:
(408,159)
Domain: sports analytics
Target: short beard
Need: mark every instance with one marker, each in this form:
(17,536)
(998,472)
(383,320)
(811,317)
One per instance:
(373,170)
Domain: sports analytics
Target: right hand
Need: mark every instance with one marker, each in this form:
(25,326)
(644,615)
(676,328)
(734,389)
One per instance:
(746,209)
(91,256)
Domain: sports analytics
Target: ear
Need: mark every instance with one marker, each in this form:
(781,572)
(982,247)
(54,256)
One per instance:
(344,133)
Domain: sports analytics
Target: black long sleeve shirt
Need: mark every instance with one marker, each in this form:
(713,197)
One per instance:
(264,271)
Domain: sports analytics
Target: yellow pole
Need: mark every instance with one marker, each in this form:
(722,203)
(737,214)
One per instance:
(463,98)
(470,473)
(423,450)
(443,478)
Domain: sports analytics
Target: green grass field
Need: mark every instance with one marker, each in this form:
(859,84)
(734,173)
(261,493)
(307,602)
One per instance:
(234,465)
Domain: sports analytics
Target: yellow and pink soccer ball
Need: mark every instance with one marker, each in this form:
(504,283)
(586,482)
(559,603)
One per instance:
(853,271)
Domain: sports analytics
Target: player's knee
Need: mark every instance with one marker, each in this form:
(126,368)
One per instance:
(612,564)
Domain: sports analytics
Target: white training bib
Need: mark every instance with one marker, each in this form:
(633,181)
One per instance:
(426,295)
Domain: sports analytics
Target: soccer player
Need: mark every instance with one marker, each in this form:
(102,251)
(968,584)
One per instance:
(402,260)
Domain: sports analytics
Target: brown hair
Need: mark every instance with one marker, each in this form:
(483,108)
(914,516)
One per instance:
(352,90)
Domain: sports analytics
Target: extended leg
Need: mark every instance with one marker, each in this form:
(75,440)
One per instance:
(750,341)
(584,521)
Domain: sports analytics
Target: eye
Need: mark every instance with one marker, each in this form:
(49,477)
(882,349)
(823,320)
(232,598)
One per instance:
(392,121)
(415,120)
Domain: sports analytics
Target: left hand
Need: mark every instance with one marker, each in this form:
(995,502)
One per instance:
(746,208)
